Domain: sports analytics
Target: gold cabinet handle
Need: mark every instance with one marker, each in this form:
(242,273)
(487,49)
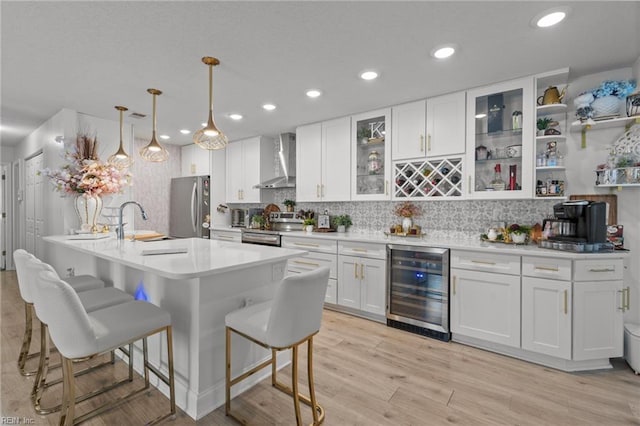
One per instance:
(545,268)
(386,187)
(302,262)
(429,143)
(455,279)
(306,245)
(358,249)
(622,294)
(322,190)
(224,237)
(421,143)
(566,302)
(318,191)
(469,185)
(355,271)
(627,292)
(602,269)
(362,271)
(483,262)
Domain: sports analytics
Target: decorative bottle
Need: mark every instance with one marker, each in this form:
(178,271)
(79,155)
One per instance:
(497,183)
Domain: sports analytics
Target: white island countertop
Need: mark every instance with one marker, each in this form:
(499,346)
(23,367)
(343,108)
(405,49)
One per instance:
(202,257)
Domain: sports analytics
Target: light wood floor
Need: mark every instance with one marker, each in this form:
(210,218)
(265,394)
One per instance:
(368,374)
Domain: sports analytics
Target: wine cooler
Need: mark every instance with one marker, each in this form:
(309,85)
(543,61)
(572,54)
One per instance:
(418,290)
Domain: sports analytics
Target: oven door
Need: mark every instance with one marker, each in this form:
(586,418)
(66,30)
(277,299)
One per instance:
(262,239)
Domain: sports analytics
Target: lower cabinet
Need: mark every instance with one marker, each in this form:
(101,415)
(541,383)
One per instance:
(546,316)
(486,305)
(362,284)
(223,235)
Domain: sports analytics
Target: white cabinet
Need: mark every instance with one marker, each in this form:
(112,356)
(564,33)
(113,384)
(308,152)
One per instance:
(371,155)
(323,161)
(224,235)
(362,276)
(249,162)
(486,306)
(408,131)
(195,161)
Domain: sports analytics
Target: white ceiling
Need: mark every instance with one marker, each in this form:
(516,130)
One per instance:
(90,56)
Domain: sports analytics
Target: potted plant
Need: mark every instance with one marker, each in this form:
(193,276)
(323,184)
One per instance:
(543,124)
(289,204)
(341,222)
(407,210)
(519,233)
(257,221)
(308,224)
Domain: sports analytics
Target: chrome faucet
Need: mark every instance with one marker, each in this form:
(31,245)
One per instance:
(120,229)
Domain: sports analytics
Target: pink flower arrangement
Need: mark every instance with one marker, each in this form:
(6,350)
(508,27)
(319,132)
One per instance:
(407,209)
(87,175)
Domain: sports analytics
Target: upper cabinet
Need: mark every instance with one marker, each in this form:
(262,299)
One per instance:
(323,161)
(371,155)
(194,161)
(249,162)
(431,128)
(500,140)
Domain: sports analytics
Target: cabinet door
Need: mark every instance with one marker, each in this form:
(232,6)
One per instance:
(373,287)
(332,291)
(349,281)
(251,170)
(598,320)
(308,162)
(185,160)
(234,172)
(371,155)
(336,161)
(486,306)
(445,125)
(546,316)
(499,150)
(409,130)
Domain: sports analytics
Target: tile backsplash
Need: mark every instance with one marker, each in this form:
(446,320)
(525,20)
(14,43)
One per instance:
(455,215)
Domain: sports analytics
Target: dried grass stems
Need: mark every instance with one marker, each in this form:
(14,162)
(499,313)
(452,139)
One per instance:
(86,147)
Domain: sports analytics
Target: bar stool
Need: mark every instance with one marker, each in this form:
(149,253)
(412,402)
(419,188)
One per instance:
(292,318)
(79,283)
(91,300)
(79,335)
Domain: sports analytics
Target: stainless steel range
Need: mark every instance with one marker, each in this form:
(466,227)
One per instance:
(280,222)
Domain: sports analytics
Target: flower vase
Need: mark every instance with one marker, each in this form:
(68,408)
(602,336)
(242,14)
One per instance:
(606,105)
(518,238)
(88,209)
(342,228)
(407,223)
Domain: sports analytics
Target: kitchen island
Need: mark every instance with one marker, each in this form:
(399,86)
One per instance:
(198,281)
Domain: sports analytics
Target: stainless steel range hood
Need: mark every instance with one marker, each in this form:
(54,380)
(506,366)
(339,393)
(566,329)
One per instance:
(287,157)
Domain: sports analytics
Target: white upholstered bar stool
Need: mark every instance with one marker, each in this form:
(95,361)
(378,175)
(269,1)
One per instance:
(91,300)
(79,283)
(79,335)
(292,318)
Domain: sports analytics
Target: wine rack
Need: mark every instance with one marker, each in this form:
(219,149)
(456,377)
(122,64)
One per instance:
(428,178)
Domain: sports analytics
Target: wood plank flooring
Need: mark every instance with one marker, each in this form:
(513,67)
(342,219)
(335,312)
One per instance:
(367,374)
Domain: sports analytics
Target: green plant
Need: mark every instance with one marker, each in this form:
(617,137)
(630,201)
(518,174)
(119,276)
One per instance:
(519,229)
(289,203)
(259,219)
(624,161)
(309,221)
(342,220)
(543,123)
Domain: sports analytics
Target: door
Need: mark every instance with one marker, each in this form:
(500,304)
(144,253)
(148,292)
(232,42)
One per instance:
(3,217)
(336,160)
(409,121)
(184,209)
(446,125)
(373,279)
(234,172)
(546,316)
(34,193)
(598,320)
(486,306)
(308,162)
(349,281)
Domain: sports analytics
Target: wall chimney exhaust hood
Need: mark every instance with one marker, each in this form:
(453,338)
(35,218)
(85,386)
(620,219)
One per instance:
(287,157)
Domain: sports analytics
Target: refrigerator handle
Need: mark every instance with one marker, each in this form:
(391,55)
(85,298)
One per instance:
(194,197)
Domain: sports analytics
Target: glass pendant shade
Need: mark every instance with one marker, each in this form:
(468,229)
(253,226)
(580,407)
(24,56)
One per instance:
(120,159)
(154,152)
(210,137)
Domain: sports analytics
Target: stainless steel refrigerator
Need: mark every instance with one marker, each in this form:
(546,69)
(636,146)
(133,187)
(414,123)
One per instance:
(189,201)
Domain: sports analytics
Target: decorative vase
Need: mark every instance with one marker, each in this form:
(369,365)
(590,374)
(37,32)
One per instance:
(518,238)
(309,229)
(88,209)
(289,208)
(606,105)
(342,228)
(406,224)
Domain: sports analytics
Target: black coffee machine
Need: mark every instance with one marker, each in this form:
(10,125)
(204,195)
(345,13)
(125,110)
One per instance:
(579,221)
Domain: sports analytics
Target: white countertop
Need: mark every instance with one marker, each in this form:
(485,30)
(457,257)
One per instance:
(455,240)
(203,257)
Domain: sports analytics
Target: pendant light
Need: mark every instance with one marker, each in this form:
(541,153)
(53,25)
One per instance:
(210,137)
(154,152)
(121,159)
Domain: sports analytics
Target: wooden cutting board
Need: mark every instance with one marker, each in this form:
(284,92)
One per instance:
(142,237)
(610,199)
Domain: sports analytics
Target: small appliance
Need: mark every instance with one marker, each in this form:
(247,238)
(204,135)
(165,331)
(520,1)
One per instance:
(239,217)
(577,221)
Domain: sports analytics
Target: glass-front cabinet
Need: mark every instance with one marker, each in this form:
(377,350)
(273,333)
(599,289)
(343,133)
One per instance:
(371,155)
(500,140)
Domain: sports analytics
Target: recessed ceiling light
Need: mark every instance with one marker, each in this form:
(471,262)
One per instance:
(185,131)
(481,115)
(369,75)
(165,137)
(235,116)
(550,17)
(269,107)
(442,52)
(313,93)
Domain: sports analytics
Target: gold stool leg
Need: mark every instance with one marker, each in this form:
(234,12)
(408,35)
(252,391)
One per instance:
(227,384)
(294,386)
(68,394)
(172,384)
(41,375)
(312,391)
(26,341)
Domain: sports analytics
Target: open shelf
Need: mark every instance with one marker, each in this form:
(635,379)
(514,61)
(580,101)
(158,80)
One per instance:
(551,109)
(550,168)
(547,138)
